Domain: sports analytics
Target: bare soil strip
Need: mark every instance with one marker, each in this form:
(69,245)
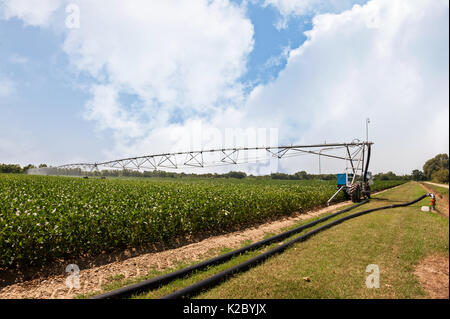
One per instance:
(433,270)
(436,184)
(92,279)
(433,276)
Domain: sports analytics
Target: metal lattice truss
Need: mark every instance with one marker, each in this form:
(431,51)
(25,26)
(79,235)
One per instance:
(353,154)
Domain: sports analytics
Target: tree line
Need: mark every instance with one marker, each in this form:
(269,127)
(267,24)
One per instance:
(435,169)
(16,168)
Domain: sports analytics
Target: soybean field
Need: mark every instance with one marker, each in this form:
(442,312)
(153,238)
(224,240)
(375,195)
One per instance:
(44,218)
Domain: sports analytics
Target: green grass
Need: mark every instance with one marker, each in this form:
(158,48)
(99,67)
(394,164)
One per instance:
(336,259)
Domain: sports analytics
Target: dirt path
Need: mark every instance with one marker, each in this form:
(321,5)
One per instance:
(436,184)
(92,279)
(433,276)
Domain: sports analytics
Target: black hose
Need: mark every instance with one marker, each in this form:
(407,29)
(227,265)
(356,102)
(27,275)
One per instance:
(162,280)
(367,163)
(216,279)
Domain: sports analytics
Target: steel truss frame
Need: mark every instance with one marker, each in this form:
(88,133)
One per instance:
(354,157)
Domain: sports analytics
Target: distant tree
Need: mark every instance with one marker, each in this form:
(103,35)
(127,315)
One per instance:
(302,175)
(389,176)
(10,168)
(440,176)
(237,175)
(43,166)
(281,176)
(29,166)
(435,164)
(417,175)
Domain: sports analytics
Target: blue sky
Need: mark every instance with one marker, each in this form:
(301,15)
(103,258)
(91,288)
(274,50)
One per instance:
(46,108)
(97,92)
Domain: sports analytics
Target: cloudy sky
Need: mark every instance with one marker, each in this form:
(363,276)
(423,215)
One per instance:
(93,80)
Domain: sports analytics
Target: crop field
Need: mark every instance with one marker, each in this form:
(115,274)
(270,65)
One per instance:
(44,218)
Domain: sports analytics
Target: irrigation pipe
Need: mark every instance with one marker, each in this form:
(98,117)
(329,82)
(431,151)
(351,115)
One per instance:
(163,280)
(216,279)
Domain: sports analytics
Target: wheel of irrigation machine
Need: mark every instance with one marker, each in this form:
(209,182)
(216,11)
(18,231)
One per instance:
(346,195)
(355,192)
(367,191)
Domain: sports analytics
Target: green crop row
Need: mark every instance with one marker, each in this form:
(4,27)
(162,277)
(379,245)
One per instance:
(44,218)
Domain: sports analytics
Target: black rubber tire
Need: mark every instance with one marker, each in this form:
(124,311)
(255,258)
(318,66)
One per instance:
(355,192)
(368,191)
(346,195)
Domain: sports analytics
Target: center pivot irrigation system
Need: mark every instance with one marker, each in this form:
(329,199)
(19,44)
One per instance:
(354,182)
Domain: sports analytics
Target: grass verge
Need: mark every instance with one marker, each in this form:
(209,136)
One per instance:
(335,261)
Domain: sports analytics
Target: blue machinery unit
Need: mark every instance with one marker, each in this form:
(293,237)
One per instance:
(344,179)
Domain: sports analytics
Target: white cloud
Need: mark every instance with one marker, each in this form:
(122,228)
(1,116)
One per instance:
(387,60)
(18,59)
(173,56)
(107,111)
(170,53)
(277,60)
(301,7)
(7,87)
(292,8)
(32,12)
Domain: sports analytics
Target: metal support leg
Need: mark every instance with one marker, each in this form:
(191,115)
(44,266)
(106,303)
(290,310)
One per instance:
(335,194)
